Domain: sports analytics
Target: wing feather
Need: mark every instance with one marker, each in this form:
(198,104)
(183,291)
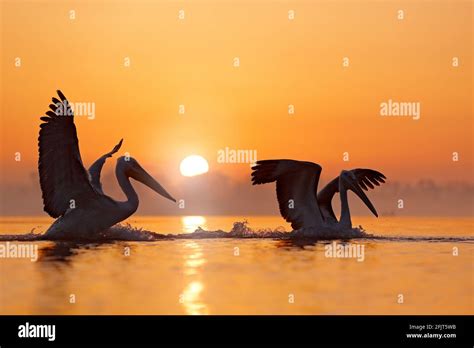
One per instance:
(366,178)
(296,187)
(62,175)
(96,167)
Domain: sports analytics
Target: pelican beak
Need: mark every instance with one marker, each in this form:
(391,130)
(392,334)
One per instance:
(358,191)
(145,178)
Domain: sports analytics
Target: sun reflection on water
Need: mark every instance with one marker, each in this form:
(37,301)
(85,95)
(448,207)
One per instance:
(191,296)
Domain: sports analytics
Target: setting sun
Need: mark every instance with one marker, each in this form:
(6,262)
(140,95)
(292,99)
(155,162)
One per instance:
(193,165)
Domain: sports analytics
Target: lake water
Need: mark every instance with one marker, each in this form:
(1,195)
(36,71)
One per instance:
(424,266)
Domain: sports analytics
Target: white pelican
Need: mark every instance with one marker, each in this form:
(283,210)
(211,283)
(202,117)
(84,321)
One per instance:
(296,187)
(74,195)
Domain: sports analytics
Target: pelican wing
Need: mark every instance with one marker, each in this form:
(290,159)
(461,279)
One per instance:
(365,178)
(325,198)
(96,167)
(63,177)
(296,186)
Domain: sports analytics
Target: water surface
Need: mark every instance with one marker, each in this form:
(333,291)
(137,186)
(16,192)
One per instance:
(245,275)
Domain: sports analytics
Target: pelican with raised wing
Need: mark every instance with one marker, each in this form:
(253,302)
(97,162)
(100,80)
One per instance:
(299,202)
(74,195)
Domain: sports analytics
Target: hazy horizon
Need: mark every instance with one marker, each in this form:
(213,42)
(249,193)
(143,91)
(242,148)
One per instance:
(239,197)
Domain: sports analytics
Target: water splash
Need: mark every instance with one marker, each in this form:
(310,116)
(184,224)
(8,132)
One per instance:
(240,229)
(21,237)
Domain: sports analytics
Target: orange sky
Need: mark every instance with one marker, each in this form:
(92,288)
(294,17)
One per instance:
(283,62)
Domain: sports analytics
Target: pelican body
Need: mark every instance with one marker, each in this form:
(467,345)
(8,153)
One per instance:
(299,202)
(73,194)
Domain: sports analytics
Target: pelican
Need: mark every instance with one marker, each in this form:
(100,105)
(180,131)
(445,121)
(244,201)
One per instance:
(296,187)
(74,195)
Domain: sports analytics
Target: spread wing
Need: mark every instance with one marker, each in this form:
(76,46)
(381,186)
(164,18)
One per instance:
(296,187)
(96,167)
(365,178)
(62,175)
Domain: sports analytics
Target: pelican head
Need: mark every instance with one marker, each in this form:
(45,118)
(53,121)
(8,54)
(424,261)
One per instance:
(134,170)
(352,183)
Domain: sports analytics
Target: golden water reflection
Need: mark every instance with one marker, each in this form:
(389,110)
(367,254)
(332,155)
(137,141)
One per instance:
(192,294)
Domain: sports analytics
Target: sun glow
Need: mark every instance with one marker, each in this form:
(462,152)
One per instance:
(193,165)
(192,223)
